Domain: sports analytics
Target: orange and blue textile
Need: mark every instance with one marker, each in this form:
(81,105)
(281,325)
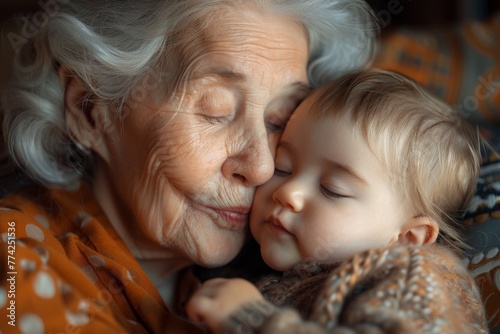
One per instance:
(64,269)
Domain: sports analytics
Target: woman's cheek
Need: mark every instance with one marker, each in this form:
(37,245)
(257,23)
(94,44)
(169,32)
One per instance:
(194,159)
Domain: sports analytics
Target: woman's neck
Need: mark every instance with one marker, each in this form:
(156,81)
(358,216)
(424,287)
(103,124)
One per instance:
(140,246)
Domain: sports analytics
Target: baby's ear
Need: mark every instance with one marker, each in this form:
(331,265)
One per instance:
(418,231)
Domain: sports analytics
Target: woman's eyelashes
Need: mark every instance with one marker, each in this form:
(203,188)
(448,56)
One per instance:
(281,172)
(215,119)
(281,116)
(221,106)
(276,127)
(218,107)
(278,121)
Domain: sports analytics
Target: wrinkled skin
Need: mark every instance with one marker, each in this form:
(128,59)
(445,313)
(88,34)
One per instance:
(179,174)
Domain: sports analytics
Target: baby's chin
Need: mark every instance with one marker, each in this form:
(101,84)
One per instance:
(279,264)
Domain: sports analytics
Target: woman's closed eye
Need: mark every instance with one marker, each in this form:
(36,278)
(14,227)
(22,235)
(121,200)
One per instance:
(216,106)
(276,127)
(279,118)
(215,119)
(281,172)
(277,122)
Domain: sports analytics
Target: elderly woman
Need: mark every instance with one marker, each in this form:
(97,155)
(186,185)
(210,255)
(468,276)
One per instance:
(145,127)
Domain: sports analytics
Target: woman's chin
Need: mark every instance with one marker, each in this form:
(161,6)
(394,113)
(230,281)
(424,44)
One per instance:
(221,252)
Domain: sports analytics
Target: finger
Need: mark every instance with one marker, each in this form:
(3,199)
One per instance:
(214,282)
(196,307)
(210,288)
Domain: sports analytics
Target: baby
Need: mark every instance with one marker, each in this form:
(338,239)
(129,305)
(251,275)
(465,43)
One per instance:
(371,171)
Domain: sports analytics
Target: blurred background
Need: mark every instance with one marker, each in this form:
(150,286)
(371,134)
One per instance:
(393,12)
(432,12)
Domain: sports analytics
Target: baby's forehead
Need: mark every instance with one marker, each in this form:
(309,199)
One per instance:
(315,95)
(317,107)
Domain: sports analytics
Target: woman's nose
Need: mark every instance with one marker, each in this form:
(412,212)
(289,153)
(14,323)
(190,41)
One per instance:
(290,195)
(253,164)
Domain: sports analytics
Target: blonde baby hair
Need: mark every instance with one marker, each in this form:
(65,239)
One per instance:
(430,151)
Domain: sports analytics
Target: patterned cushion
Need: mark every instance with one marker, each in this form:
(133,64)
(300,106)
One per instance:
(459,64)
(483,234)
(462,65)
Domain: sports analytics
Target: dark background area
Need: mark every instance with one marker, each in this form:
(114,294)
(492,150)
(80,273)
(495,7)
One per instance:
(414,11)
(435,12)
(393,13)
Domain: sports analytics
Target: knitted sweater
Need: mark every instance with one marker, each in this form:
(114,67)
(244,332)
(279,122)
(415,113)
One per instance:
(393,290)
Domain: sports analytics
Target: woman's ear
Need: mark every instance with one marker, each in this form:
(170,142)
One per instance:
(418,231)
(85,118)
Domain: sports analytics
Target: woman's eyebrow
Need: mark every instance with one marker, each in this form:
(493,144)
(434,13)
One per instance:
(232,76)
(229,75)
(301,86)
(220,72)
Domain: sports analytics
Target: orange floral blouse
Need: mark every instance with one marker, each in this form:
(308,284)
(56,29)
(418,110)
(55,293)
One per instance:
(64,269)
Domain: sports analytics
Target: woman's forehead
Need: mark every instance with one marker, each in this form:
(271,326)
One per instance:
(260,50)
(248,32)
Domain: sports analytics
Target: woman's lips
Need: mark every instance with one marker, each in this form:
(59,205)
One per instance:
(237,217)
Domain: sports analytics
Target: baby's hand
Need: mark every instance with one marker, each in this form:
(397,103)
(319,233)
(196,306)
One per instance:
(217,298)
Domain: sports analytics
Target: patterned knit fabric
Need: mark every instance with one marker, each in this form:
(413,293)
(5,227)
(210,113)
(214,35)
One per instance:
(394,290)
